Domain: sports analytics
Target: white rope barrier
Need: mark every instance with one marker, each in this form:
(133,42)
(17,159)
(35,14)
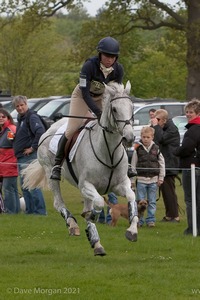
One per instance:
(194,208)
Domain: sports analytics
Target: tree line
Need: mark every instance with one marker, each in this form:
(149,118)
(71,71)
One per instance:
(42,49)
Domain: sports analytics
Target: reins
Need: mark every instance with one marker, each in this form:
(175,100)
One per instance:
(105,129)
(111,156)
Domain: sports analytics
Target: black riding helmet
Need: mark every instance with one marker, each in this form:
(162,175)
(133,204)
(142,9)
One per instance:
(108,45)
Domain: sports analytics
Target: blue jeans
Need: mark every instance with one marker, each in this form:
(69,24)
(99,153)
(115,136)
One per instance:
(34,199)
(187,188)
(147,192)
(11,196)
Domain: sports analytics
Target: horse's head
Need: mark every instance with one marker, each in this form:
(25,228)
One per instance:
(117,113)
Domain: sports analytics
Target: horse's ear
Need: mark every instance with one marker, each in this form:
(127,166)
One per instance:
(110,89)
(128,87)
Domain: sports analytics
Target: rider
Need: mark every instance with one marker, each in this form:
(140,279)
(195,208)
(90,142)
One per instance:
(87,95)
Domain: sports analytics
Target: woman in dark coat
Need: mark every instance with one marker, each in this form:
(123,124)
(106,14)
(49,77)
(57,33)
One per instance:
(168,138)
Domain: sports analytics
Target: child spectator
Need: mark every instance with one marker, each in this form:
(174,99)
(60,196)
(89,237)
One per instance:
(150,166)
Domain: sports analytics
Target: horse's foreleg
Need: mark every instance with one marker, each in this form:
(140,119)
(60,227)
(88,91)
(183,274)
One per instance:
(93,238)
(125,190)
(131,232)
(59,205)
(71,222)
(93,206)
(94,201)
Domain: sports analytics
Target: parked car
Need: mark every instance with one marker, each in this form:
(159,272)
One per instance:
(7,105)
(6,100)
(180,122)
(55,110)
(141,114)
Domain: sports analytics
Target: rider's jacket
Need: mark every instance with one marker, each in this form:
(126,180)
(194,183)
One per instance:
(93,80)
(28,133)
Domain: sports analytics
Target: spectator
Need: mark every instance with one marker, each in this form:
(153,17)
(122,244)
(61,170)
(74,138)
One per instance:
(168,138)
(8,163)
(189,153)
(25,146)
(150,166)
(131,172)
(151,114)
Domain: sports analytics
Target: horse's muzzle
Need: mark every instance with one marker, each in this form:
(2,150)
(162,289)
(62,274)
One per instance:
(128,142)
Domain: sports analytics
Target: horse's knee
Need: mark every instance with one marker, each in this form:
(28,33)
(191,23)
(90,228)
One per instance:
(99,204)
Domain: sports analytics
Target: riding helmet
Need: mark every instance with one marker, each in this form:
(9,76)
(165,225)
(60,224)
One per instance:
(108,45)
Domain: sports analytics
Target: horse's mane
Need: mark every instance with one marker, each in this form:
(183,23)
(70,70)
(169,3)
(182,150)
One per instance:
(114,89)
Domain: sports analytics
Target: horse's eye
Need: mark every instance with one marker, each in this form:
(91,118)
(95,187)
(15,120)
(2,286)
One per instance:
(114,110)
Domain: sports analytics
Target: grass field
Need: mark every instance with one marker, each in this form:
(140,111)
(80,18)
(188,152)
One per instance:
(39,260)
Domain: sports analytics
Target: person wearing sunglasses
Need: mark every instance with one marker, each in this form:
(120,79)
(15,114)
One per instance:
(8,163)
(167,137)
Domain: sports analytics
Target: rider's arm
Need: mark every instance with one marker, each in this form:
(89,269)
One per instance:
(87,71)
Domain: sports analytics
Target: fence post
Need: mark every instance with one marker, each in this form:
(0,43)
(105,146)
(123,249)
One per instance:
(194,209)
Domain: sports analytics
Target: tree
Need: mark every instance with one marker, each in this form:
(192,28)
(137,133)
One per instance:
(31,60)
(154,14)
(148,15)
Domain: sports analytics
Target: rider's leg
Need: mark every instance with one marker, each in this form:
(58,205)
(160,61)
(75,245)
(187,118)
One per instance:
(77,108)
(60,154)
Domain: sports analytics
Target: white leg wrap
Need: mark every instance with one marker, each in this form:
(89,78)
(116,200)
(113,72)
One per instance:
(92,233)
(65,213)
(132,210)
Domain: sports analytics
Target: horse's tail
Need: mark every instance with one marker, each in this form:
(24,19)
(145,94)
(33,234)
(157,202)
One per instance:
(34,176)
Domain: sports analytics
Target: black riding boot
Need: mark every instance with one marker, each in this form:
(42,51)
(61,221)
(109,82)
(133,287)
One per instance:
(56,170)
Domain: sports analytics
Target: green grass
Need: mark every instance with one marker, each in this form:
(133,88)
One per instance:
(39,260)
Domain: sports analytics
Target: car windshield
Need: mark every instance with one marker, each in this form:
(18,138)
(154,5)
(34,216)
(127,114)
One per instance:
(7,105)
(47,109)
(180,121)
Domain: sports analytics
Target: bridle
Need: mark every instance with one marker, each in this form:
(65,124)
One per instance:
(105,129)
(116,121)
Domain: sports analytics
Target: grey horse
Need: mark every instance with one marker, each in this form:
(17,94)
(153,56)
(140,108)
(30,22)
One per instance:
(99,165)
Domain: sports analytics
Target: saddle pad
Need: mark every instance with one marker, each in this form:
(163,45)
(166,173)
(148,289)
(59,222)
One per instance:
(53,145)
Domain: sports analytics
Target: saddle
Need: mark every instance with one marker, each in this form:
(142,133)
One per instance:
(71,141)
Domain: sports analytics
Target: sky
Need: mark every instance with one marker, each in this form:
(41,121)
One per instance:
(94,5)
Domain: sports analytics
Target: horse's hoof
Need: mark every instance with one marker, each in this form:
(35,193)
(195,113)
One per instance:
(74,231)
(99,251)
(131,237)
